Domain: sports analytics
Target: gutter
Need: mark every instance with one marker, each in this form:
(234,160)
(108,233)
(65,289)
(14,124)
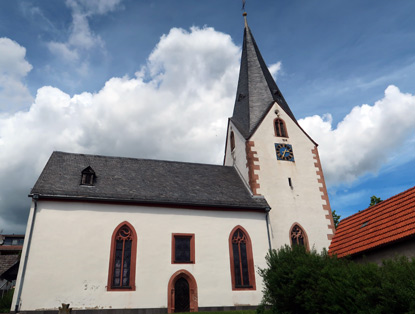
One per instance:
(267,210)
(168,203)
(35,198)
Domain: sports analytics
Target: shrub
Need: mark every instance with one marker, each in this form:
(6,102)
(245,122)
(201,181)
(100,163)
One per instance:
(297,281)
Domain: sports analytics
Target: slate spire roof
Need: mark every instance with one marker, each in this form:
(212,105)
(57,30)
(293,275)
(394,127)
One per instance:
(384,223)
(145,181)
(257,90)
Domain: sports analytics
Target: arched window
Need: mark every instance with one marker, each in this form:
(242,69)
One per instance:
(232,141)
(298,236)
(122,258)
(280,129)
(241,259)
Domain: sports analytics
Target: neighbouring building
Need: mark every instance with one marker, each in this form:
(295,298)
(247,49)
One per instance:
(382,231)
(129,235)
(10,248)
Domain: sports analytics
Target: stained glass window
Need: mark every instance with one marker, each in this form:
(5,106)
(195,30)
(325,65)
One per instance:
(240,259)
(122,258)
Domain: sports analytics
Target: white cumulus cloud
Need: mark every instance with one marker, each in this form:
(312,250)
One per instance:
(274,69)
(367,138)
(175,108)
(14,94)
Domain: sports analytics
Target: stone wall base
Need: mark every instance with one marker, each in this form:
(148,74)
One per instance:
(140,311)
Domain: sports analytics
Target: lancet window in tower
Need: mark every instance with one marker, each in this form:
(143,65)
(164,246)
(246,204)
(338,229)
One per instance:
(242,270)
(122,259)
(232,141)
(280,129)
(298,236)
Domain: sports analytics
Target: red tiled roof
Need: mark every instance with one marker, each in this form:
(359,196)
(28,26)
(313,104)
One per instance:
(11,247)
(388,221)
(7,261)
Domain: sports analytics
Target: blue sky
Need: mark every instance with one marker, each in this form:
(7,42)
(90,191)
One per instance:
(157,79)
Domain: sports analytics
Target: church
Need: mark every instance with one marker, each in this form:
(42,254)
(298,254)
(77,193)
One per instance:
(125,235)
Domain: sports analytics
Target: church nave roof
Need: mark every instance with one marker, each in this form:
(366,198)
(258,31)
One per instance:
(144,181)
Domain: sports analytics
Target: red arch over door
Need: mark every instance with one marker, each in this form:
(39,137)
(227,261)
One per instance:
(192,290)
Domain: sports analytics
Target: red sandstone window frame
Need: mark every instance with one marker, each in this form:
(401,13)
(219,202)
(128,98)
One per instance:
(280,131)
(131,286)
(192,247)
(305,237)
(250,261)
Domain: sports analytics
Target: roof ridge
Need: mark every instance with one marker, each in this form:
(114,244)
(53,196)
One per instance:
(384,210)
(373,207)
(143,159)
(374,223)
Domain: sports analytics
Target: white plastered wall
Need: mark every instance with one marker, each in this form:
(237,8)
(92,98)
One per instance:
(303,202)
(69,256)
(22,258)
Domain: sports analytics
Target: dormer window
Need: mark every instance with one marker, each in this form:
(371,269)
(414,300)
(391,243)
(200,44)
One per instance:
(88,176)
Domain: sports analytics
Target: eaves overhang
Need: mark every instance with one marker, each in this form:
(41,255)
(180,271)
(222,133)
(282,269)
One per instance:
(176,204)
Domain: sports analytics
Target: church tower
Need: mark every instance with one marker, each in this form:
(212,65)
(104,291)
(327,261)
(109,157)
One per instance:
(276,158)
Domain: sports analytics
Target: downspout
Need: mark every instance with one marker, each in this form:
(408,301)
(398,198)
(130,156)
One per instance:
(266,220)
(35,197)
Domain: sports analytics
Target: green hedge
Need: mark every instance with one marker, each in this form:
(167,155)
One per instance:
(297,281)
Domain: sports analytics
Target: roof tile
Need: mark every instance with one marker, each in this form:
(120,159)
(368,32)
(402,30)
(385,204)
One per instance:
(7,261)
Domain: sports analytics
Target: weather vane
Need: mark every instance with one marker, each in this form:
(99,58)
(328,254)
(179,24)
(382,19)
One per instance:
(244,14)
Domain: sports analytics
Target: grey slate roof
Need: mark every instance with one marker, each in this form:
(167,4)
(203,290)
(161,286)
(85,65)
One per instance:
(145,181)
(257,90)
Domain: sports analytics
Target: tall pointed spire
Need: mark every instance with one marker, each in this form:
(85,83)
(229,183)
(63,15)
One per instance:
(257,90)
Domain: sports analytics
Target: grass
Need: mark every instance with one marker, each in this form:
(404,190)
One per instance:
(6,302)
(230,312)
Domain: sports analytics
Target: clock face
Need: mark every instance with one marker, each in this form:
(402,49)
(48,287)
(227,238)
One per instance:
(284,152)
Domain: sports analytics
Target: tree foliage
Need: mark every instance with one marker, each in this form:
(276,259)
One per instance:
(299,282)
(336,218)
(374,200)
